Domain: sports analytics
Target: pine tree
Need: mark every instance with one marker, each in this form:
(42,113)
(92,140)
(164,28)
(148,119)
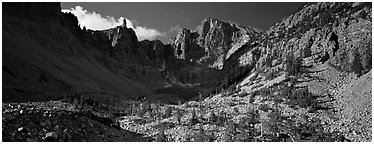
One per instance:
(200,110)
(356,64)
(220,119)
(178,115)
(168,112)
(213,117)
(152,115)
(75,104)
(200,97)
(141,110)
(81,100)
(289,64)
(133,109)
(157,111)
(194,119)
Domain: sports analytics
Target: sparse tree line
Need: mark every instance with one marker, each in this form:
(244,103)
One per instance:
(198,115)
(250,127)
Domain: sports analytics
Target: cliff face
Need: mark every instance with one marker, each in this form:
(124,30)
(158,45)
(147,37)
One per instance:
(46,55)
(184,46)
(111,61)
(123,40)
(156,51)
(324,50)
(337,33)
(212,42)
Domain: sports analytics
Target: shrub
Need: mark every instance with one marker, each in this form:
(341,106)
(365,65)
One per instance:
(236,110)
(274,124)
(221,118)
(152,115)
(161,136)
(242,94)
(264,92)
(264,107)
(246,129)
(252,98)
(296,96)
(271,74)
(293,65)
(202,113)
(301,97)
(213,118)
(284,91)
(268,61)
(167,112)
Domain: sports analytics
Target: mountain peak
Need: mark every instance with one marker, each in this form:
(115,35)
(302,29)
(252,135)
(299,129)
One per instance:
(211,19)
(211,41)
(124,23)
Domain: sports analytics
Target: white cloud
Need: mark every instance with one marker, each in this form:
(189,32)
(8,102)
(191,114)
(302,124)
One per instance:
(95,21)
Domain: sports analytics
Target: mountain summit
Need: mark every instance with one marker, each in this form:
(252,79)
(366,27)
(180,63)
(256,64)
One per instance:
(211,42)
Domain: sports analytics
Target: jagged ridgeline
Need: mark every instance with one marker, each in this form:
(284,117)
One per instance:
(339,33)
(307,78)
(111,61)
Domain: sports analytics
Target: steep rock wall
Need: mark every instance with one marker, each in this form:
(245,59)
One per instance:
(211,42)
(337,33)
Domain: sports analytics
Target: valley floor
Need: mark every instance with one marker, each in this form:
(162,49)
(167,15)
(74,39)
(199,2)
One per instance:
(336,107)
(340,110)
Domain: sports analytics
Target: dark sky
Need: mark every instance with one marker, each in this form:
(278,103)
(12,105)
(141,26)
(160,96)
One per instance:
(164,15)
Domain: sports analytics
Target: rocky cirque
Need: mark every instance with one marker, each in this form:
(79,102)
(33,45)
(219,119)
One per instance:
(307,78)
(150,66)
(338,33)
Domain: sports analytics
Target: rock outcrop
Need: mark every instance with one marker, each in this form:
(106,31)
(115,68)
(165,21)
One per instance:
(46,55)
(212,42)
(337,33)
(323,49)
(123,41)
(156,51)
(108,60)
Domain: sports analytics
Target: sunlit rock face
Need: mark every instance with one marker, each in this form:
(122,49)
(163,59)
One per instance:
(212,42)
(336,33)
